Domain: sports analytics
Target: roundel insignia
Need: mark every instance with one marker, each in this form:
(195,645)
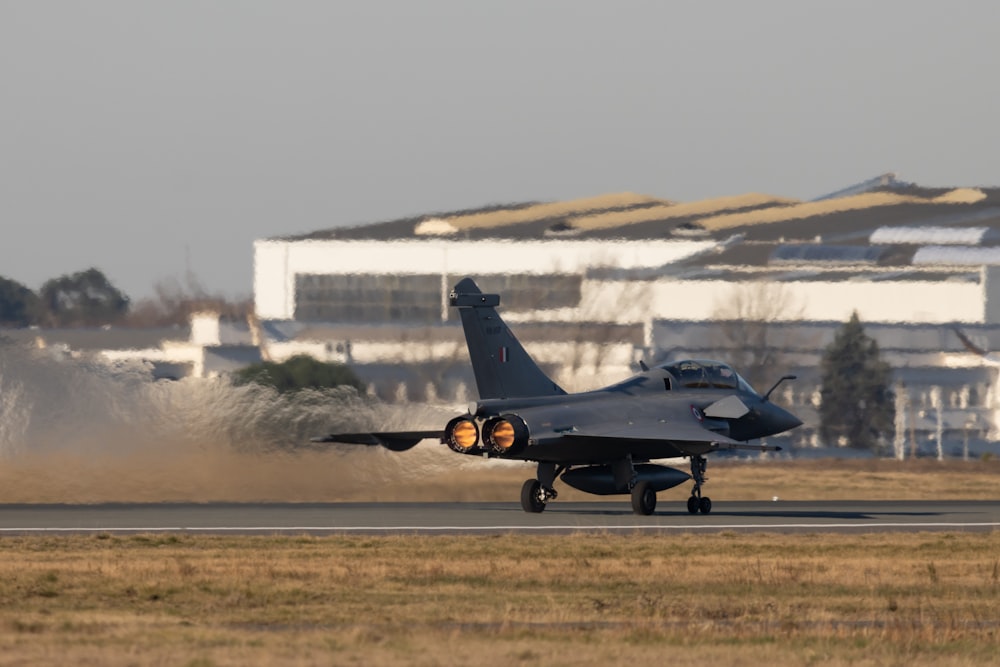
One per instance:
(697,413)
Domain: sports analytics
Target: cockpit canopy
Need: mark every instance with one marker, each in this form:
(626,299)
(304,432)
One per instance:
(704,374)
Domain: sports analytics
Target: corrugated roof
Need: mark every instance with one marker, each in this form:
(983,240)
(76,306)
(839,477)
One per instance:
(809,253)
(961,196)
(957,255)
(565,209)
(824,207)
(847,220)
(694,209)
(880,182)
(930,235)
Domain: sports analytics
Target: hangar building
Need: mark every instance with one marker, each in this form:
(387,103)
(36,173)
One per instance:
(893,251)
(596,284)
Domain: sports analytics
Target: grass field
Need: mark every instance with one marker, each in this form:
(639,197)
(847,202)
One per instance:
(731,599)
(433,473)
(827,479)
(895,599)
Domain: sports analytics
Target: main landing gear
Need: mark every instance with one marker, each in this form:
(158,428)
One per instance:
(534,496)
(697,502)
(642,491)
(643,499)
(622,477)
(536,493)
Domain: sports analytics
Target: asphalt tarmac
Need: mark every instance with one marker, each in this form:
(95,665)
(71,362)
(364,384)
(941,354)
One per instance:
(614,515)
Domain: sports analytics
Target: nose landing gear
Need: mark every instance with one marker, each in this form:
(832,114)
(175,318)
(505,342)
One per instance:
(697,502)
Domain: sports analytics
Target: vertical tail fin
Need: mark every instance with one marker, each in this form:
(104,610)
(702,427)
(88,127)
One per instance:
(502,367)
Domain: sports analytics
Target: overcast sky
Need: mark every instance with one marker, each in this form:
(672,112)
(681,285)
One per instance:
(147,138)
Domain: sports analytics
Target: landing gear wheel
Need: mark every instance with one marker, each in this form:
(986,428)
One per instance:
(643,498)
(697,502)
(531,497)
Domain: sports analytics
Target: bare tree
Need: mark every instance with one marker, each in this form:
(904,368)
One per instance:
(174,302)
(747,334)
(598,328)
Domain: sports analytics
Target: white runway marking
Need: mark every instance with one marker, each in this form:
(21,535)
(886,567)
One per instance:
(511,528)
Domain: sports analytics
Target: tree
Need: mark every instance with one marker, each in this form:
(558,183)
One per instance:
(18,304)
(857,402)
(748,334)
(298,372)
(85,298)
(174,301)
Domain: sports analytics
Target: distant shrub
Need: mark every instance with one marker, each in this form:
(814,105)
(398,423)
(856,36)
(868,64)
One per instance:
(298,372)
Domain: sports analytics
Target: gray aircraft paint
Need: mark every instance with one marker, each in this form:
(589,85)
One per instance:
(603,439)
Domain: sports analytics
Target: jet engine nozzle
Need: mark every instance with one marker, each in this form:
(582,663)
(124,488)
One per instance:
(462,435)
(506,435)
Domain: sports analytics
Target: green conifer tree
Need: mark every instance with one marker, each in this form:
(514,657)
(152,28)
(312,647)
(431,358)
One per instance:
(18,304)
(82,299)
(298,372)
(857,401)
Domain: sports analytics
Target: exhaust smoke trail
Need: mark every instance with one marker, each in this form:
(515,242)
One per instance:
(74,431)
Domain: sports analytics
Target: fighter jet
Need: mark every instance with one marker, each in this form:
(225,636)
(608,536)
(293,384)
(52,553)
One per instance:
(602,441)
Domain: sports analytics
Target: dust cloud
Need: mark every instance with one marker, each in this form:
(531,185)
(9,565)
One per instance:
(73,431)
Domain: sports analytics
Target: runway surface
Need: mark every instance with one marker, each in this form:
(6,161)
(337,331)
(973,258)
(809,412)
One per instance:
(479,518)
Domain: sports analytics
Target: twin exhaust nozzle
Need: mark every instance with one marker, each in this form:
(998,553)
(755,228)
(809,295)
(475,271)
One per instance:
(504,435)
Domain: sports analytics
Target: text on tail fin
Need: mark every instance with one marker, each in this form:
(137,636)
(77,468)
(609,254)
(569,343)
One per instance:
(502,367)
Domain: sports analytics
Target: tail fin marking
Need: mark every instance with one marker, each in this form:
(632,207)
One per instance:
(502,367)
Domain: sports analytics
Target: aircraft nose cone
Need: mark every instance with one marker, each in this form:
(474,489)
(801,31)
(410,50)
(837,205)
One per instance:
(777,420)
(783,420)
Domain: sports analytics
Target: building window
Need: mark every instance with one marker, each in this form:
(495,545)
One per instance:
(417,298)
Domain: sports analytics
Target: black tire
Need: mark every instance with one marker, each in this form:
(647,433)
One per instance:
(531,500)
(643,498)
(693,505)
(705,505)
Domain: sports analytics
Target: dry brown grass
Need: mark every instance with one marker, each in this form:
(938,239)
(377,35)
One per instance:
(826,479)
(433,473)
(914,599)
(839,479)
